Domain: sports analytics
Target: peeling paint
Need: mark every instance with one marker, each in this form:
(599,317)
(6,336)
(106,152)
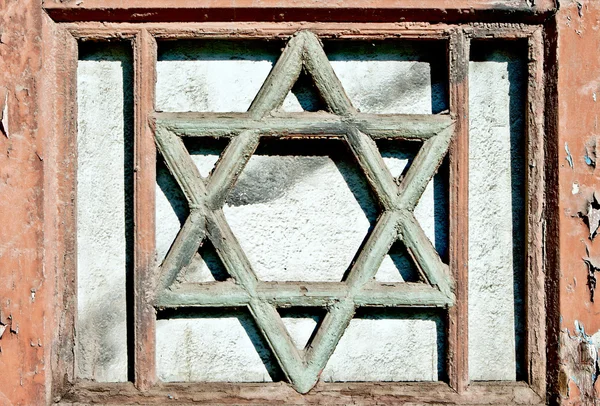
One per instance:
(4,114)
(579,367)
(590,152)
(593,264)
(569,158)
(575,188)
(591,215)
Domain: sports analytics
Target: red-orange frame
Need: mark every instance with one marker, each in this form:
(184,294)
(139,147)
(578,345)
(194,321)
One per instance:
(143,36)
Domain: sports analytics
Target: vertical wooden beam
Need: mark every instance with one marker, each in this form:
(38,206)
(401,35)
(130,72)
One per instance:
(535,354)
(58,110)
(458,327)
(144,213)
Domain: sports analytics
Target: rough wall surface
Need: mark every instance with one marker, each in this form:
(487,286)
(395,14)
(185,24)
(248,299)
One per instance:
(579,249)
(25,294)
(104,145)
(496,210)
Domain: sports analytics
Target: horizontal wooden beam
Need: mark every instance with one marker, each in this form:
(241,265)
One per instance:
(413,126)
(279,393)
(292,10)
(305,294)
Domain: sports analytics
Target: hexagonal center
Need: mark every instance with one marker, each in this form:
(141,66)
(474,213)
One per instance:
(301,210)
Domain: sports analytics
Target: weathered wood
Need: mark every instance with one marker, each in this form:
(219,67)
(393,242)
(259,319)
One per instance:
(405,126)
(458,326)
(377,246)
(181,166)
(328,335)
(425,255)
(144,213)
(233,257)
(182,251)
(535,299)
(291,361)
(369,159)
(230,165)
(342,393)
(302,294)
(325,79)
(423,168)
(280,80)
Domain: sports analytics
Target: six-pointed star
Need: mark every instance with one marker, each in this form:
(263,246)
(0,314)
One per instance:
(397,221)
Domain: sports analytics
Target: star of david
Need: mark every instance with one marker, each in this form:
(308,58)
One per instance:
(206,220)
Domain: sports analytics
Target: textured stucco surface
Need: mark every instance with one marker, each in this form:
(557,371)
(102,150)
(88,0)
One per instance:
(300,210)
(103,148)
(496,211)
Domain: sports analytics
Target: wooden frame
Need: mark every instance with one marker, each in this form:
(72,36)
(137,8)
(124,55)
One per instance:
(458,391)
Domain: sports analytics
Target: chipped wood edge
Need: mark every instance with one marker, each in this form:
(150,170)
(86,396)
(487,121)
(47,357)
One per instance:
(458,323)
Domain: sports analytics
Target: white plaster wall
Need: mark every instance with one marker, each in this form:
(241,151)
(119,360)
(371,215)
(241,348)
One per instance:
(101,345)
(298,217)
(496,214)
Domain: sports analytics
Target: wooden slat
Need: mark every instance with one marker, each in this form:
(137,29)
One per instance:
(290,10)
(280,80)
(318,66)
(342,393)
(458,328)
(535,355)
(406,126)
(423,168)
(303,294)
(144,210)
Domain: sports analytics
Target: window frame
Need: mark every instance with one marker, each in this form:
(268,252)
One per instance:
(457,390)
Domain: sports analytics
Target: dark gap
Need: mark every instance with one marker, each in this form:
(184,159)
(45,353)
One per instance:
(205,146)
(123,52)
(441,212)
(431,51)
(514,52)
(436,315)
(215,49)
(404,263)
(213,262)
(399,149)
(316,313)
(167,183)
(243,315)
(307,94)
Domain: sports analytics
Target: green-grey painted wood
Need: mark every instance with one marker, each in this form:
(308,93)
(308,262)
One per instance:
(329,86)
(301,294)
(425,255)
(181,166)
(377,246)
(280,80)
(182,251)
(231,254)
(369,159)
(291,361)
(423,168)
(230,165)
(406,126)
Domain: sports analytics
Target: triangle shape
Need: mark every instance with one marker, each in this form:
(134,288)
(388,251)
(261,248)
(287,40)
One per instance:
(205,152)
(398,155)
(398,266)
(301,324)
(205,266)
(304,96)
